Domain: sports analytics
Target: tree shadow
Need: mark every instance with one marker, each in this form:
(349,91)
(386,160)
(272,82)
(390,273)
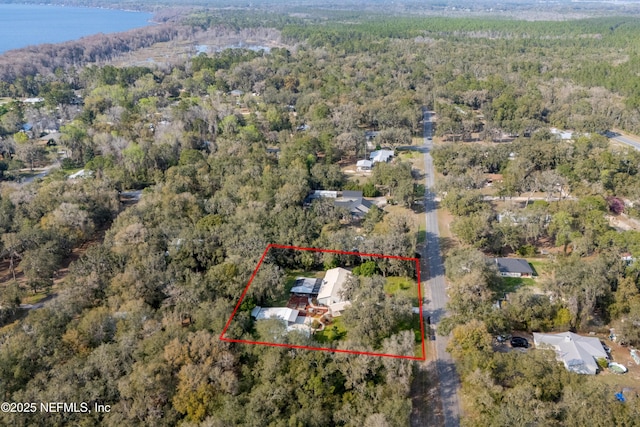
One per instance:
(446,244)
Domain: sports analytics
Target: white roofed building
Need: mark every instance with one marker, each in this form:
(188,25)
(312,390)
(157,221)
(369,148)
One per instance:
(337,308)
(381,156)
(364,165)
(285,314)
(332,285)
(579,354)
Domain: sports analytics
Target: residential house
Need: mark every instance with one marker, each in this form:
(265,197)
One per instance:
(381,156)
(332,285)
(354,202)
(579,354)
(514,267)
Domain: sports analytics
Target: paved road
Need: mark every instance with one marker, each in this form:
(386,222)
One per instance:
(43,172)
(448,378)
(627,141)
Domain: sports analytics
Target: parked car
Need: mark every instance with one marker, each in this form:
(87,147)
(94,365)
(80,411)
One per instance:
(519,342)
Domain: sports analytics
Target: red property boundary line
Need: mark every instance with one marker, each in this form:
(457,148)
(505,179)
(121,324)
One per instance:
(332,350)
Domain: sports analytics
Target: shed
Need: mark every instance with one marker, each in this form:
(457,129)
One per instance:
(364,165)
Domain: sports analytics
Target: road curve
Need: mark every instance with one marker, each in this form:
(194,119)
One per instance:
(449,383)
(628,141)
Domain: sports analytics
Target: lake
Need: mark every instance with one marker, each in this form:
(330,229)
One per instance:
(24,25)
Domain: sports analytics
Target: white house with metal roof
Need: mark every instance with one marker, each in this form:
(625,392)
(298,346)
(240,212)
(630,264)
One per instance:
(332,285)
(381,156)
(579,354)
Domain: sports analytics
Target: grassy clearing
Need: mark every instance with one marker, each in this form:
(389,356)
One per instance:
(402,286)
(617,380)
(539,266)
(32,298)
(333,332)
(511,284)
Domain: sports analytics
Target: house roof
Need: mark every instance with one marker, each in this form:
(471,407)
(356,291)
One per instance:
(578,353)
(337,307)
(364,163)
(323,194)
(354,202)
(306,285)
(381,155)
(513,265)
(332,283)
(283,313)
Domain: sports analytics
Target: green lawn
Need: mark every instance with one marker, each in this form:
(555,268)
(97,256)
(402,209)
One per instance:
(510,284)
(402,286)
(539,266)
(32,298)
(422,233)
(333,332)
(414,324)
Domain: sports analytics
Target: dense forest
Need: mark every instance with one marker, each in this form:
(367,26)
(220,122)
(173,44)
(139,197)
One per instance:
(188,172)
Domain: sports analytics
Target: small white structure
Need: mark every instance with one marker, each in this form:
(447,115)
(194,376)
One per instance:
(578,353)
(565,135)
(337,308)
(285,314)
(80,174)
(323,194)
(381,156)
(364,165)
(332,285)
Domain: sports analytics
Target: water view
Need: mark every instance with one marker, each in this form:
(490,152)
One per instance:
(24,25)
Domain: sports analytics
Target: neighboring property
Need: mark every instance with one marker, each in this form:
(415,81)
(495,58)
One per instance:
(321,194)
(579,354)
(354,202)
(381,156)
(514,267)
(364,165)
(285,314)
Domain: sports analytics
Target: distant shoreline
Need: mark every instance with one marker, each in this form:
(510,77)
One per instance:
(17,38)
